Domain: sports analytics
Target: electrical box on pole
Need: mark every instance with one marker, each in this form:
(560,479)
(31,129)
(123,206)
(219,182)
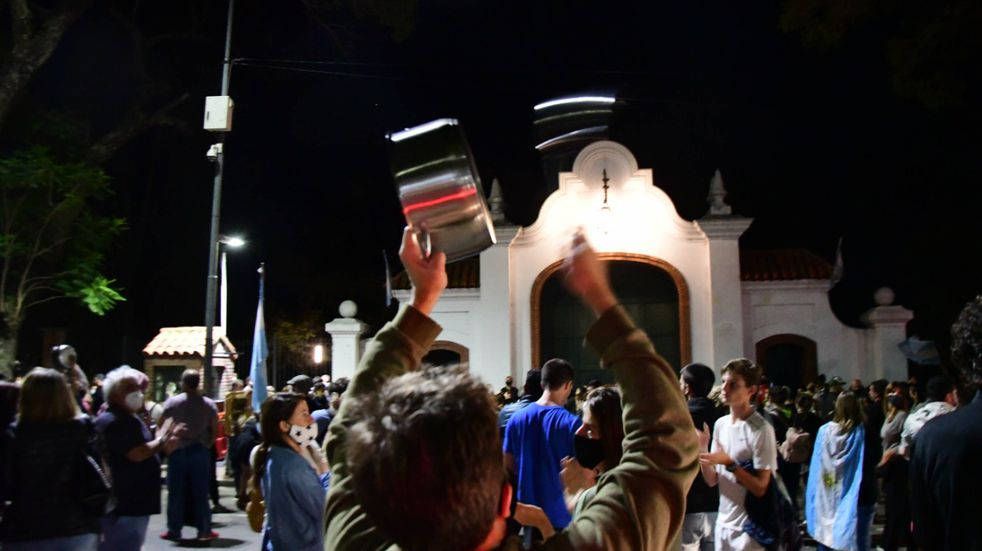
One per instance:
(218,113)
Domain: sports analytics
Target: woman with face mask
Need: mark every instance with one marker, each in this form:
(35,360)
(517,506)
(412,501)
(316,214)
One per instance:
(598,445)
(132,455)
(291,475)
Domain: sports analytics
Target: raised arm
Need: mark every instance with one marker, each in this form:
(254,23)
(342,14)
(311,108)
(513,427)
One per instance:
(399,346)
(396,349)
(640,503)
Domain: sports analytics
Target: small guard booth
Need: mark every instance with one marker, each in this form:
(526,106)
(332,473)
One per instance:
(175,349)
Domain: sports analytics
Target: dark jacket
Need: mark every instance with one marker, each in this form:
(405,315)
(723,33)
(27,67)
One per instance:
(703,498)
(40,477)
(873,451)
(946,480)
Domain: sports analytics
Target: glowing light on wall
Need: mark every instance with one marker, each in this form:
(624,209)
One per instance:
(318,354)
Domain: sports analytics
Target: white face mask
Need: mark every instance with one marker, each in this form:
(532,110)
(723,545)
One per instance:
(303,435)
(134,400)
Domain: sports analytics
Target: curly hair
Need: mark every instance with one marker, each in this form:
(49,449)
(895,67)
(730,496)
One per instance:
(426,460)
(966,343)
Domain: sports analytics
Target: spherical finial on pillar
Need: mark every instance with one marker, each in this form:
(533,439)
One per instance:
(348,309)
(883,296)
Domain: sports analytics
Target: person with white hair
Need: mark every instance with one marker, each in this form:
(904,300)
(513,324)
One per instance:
(131,452)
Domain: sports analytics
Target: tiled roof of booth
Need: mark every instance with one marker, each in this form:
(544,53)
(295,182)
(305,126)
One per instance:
(187,341)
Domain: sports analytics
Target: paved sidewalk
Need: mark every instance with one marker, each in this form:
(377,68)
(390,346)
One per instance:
(233,528)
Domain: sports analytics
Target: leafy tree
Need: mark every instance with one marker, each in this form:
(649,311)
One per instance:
(52,239)
(293,340)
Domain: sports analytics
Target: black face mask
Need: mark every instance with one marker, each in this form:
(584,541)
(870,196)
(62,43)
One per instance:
(589,452)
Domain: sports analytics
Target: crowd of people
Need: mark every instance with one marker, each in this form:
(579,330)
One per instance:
(411,457)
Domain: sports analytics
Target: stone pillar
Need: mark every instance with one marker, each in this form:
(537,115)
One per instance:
(497,355)
(345,341)
(887,329)
(726,298)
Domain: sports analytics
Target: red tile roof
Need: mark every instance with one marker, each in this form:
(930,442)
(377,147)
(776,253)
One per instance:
(463,274)
(782,265)
(188,341)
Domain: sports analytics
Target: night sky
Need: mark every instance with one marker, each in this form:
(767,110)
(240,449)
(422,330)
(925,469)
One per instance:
(815,145)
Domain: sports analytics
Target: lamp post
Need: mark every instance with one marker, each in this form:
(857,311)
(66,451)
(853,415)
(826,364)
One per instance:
(229,242)
(217,155)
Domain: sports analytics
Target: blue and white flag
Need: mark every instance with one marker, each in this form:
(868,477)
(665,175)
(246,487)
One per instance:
(920,352)
(839,268)
(832,494)
(260,352)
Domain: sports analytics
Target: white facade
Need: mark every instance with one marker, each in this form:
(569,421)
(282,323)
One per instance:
(725,317)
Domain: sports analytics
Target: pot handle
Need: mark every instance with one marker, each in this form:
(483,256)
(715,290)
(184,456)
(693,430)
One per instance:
(423,238)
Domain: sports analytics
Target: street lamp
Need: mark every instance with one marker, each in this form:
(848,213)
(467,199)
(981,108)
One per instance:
(229,242)
(318,354)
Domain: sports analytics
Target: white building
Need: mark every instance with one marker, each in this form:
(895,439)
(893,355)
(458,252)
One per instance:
(699,296)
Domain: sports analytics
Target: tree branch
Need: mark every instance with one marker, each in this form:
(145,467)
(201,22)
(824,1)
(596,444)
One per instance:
(28,56)
(20,21)
(134,125)
(42,301)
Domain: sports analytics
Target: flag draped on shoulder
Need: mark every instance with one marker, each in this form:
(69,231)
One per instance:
(832,494)
(260,352)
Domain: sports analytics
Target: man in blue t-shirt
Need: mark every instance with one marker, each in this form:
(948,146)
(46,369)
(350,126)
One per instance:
(538,437)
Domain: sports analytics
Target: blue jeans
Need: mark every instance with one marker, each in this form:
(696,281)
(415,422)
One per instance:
(81,542)
(187,474)
(123,533)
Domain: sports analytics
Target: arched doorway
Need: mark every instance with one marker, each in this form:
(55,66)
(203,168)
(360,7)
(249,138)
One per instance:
(653,292)
(789,360)
(443,353)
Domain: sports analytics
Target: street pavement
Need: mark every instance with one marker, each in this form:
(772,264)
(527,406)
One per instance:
(233,527)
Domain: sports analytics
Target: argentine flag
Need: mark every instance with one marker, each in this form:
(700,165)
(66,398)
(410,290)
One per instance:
(257,365)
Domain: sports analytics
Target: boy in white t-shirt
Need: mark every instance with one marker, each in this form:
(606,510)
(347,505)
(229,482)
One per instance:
(738,437)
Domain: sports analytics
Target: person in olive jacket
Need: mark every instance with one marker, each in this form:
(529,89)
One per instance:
(416,457)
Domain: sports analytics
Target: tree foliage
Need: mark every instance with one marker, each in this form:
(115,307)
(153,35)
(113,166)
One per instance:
(52,237)
(931,47)
(295,338)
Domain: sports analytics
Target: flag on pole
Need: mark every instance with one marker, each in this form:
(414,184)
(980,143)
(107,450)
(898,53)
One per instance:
(257,365)
(839,268)
(920,352)
(388,280)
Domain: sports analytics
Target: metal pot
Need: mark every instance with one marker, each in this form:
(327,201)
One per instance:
(440,190)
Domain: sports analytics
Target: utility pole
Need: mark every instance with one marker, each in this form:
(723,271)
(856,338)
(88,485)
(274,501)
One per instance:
(217,155)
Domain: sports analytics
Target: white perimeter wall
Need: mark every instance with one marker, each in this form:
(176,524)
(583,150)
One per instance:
(802,308)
